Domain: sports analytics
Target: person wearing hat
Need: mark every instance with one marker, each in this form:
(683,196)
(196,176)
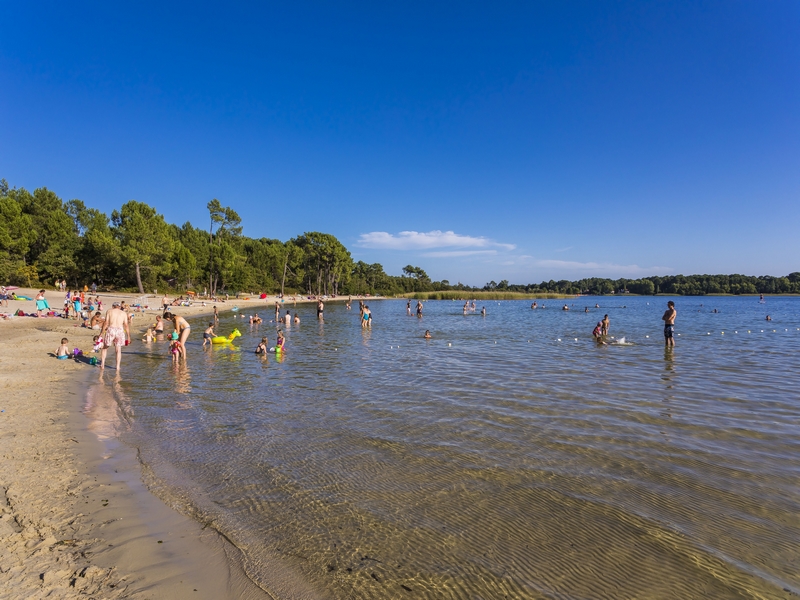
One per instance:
(115,331)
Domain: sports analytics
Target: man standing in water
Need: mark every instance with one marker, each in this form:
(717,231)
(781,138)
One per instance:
(115,331)
(669,324)
(320,309)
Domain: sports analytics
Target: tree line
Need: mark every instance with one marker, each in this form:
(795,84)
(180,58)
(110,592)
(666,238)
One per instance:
(44,239)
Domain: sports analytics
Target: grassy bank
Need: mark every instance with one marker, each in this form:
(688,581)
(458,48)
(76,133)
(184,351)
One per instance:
(464,295)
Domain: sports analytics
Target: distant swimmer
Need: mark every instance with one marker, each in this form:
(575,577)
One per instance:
(466,306)
(597,306)
(287,318)
(320,309)
(669,324)
(473,305)
(769,318)
(408,308)
(419,308)
(565,307)
(483,311)
(427,335)
(586,309)
(534,306)
(296,318)
(262,347)
(605,324)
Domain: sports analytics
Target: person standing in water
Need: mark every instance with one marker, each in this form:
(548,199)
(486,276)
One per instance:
(605,324)
(182,328)
(408,308)
(669,324)
(366,318)
(320,309)
(419,308)
(115,331)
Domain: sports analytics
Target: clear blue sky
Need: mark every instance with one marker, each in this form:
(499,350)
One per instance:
(522,141)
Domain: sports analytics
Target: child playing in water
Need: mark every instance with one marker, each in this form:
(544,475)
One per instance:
(281,341)
(208,334)
(427,335)
(262,347)
(175,346)
(63,351)
(597,333)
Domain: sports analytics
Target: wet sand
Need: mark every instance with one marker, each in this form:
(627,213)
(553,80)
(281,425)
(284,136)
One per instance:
(76,520)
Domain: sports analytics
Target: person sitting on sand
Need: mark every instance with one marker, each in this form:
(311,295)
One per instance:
(262,347)
(97,321)
(427,335)
(63,351)
(208,334)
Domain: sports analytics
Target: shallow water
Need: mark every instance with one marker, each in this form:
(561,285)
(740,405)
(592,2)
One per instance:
(507,457)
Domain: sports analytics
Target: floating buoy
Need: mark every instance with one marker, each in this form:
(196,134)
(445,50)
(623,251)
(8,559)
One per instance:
(576,339)
(647,336)
(449,344)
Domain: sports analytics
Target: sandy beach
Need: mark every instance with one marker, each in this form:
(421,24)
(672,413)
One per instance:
(75,518)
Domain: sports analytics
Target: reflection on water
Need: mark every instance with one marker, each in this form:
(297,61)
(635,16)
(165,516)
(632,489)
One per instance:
(507,457)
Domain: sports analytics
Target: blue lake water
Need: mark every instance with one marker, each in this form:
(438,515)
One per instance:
(507,457)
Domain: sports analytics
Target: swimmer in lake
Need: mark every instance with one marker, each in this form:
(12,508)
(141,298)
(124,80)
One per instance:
(769,318)
(262,347)
(597,333)
(419,308)
(408,308)
(534,306)
(427,335)
(606,323)
(483,310)
(565,307)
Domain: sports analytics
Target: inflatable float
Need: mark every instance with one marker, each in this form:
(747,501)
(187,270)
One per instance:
(226,340)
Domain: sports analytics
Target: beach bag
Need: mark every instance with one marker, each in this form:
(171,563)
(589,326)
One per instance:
(20,313)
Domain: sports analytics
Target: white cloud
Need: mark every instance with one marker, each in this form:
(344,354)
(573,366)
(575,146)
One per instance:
(456,253)
(563,249)
(414,240)
(569,265)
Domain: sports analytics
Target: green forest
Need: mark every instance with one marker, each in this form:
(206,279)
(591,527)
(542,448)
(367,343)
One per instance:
(44,239)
